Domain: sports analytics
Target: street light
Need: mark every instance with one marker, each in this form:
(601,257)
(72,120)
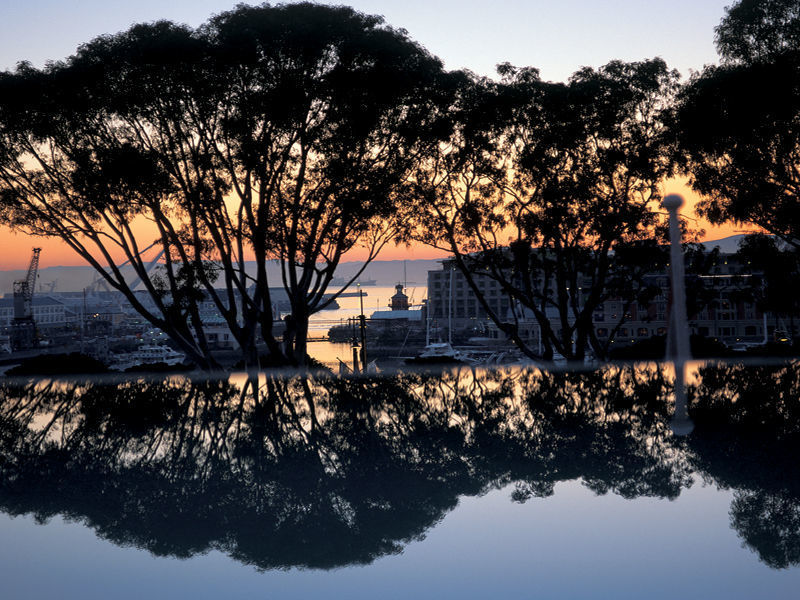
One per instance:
(678,348)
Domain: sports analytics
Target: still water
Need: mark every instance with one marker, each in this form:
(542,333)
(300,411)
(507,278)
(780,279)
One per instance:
(512,482)
(572,545)
(375,298)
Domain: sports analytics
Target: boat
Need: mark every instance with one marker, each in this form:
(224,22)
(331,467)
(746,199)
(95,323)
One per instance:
(147,355)
(440,353)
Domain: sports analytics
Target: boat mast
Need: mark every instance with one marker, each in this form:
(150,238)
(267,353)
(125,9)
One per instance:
(428,323)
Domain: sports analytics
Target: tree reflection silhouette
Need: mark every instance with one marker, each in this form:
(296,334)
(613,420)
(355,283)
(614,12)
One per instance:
(317,472)
(747,440)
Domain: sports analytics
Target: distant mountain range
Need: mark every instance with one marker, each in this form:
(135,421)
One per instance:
(384,272)
(727,245)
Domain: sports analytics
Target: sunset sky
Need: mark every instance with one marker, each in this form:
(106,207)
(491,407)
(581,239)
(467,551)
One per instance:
(558,37)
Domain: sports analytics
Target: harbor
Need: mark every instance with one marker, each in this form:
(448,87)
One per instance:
(400,300)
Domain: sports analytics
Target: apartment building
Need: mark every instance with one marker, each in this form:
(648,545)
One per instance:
(726,314)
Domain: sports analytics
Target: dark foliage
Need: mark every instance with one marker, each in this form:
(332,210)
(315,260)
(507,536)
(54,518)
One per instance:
(270,133)
(737,124)
(758,30)
(58,364)
(552,191)
(324,472)
(654,348)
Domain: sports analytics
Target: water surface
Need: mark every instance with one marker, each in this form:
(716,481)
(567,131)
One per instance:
(461,484)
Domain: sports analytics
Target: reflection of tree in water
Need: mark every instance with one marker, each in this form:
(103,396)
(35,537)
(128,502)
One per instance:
(608,427)
(747,439)
(323,472)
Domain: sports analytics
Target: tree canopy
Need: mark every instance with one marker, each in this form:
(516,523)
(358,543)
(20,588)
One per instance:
(542,187)
(758,30)
(298,132)
(737,124)
(280,133)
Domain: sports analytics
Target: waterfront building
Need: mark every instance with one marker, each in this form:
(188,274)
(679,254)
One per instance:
(399,301)
(726,311)
(399,308)
(48,311)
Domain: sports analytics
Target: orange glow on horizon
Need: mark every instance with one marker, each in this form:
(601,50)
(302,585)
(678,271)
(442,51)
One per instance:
(680,185)
(15,247)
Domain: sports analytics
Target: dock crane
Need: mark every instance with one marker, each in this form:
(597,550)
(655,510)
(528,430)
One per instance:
(100,284)
(23,327)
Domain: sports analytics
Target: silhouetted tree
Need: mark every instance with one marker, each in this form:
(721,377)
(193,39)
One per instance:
(758,30)
(283,132)
(736,124)
(552,191)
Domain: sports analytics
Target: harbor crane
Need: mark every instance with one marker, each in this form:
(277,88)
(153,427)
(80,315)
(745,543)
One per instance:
(23,327)
(100,284)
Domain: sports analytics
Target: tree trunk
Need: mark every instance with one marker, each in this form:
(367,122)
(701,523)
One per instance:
(300,354)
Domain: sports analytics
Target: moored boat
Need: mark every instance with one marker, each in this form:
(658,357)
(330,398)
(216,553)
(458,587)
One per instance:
(146,355)
(440,353)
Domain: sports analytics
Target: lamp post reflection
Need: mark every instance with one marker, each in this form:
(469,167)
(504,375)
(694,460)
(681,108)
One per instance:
(678,349)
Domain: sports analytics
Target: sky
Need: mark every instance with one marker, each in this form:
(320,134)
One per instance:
(556,36)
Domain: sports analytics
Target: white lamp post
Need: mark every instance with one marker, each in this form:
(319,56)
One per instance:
(678,349)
